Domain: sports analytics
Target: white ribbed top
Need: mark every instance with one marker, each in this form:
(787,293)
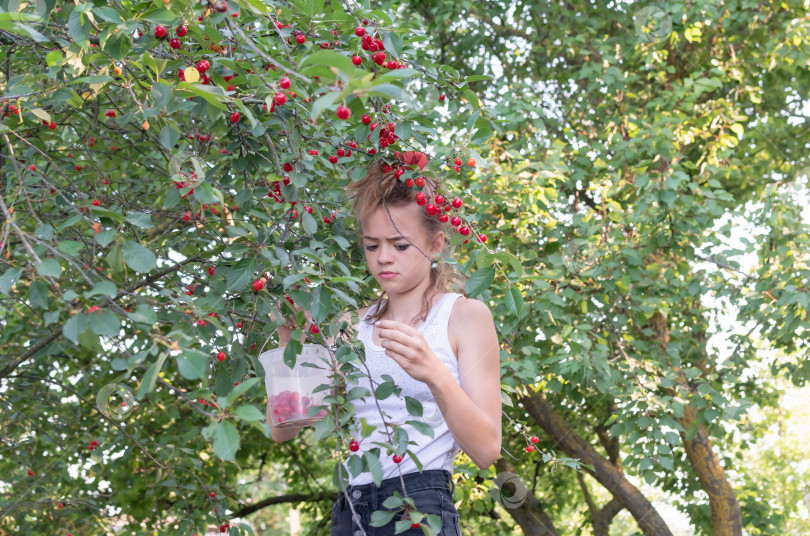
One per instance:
(433,453)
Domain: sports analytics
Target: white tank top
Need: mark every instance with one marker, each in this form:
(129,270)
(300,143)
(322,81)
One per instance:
(437,452)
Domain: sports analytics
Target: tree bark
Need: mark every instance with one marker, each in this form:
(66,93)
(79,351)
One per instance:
(529,514)
(612,478)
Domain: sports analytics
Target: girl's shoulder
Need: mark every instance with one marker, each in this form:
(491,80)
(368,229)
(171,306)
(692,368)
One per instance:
(469,314)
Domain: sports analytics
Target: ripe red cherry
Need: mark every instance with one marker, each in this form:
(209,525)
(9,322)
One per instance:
(415,525)
(420,182)
(280,98)
(32,167)
(284,82)
(210,270)
(221,356)
(409,183)
(359,31)
(421,199)
(333,159)
(313,152)
(441,97)
(258,285)
(457,161)
(457,203)
(314,329)
(235,117)
(343,112)
(288,167)
(534,439)
(482,238)
(174,43)
(203,65)
(365,22)
(52,125)
(365,119)
(464,230)
(78,167)
(529,448)
(440,199)
(443,218)
(96,202)
(221,6)
(161,32)
(212,494)
(181,31)
(340,152)
(397,458)
(471,162)
(357,60)
(300,39)
(30,472)
(354,446)
(239,325)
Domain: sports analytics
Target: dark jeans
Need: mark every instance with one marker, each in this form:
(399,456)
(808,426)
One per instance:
(431,492)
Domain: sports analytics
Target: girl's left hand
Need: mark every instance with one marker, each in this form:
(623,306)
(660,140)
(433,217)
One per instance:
(407,346)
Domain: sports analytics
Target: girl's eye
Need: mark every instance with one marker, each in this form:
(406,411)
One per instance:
(403,247)
(371,248)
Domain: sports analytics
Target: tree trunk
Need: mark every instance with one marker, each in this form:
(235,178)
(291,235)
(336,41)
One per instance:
(529,514)
(607,474)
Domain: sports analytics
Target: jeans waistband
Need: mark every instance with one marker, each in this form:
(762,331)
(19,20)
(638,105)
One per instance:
(430,479)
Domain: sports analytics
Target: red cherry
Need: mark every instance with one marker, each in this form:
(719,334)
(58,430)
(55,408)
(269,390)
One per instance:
(210,270)
(457,203)
(464,230)
(354,446)
(409,183)
(314,329)
(78,167)
(359,31)
(421,199)
(343,112)
(529,448)
(439,199)
(365,22)
(333,159)
(326,219)
(221,6)
(181,31)
(534,439)
(221,356)
(357,60)
(443,218)
(203,65)
(174,43)
(300,39)
(313,152)
(161,32)
(415,525)
(30,473)
(420,182)
(397,458)
(441,97)
(60,505)
(457,161)
(258,285)
(482,238)
(212,494)
(96,202)
(471,162)
(284,82)
(235,117)
(239,325)
(32,167)
(280,98)
(288,167)
(372,151)
(52,125)
(340,152)
(366,120)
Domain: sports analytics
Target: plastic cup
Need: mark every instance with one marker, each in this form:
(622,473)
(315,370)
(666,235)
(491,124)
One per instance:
(290,390)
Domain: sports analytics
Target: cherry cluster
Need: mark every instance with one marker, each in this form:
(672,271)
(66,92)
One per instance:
(287,406)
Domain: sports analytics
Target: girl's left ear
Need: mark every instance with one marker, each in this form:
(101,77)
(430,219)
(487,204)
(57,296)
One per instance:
(438,243)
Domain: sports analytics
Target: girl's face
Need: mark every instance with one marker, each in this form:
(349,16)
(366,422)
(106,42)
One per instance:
(393,261)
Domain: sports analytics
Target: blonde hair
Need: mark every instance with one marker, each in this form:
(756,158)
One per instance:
(383,189)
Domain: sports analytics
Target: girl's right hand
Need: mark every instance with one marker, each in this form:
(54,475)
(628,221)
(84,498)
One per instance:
(285,331)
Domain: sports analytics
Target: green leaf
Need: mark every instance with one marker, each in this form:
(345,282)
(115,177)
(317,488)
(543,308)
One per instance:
(323,102)
(321,304)
(372,464)
(248,413)
(79,27)
(384,390)
(514,300)
(49,267)
(240,274)
(413,406)
(169,137)
(310,226)
(75,326)
(214,95)
(107,288)
(392,44)
(331,59)
(140,219)
(480,281)
(70,247)
(143,314)
(95,79)
(9,278)
(161,16)
(380,518)
(226,441)
(150,377)
(105,237)
(138,257)
(192,364)
(44,232)
(237,391)
(105,323)
(205,193)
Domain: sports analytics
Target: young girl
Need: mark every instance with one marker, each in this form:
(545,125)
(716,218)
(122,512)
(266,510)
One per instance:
(440,348)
